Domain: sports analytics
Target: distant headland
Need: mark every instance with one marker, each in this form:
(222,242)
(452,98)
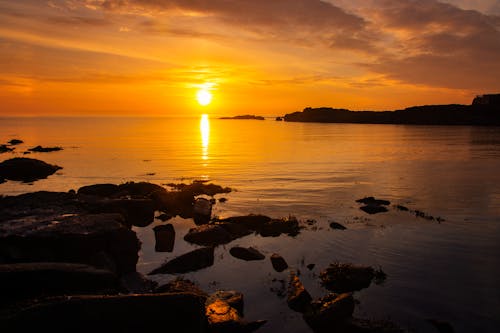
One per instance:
(246,117)
(484,111)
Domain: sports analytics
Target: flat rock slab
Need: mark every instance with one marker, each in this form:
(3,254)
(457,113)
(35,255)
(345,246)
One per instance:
(248,254)
(26,169)
(176,312)
(341,278)
(96,239)
(208,235)
(188,262)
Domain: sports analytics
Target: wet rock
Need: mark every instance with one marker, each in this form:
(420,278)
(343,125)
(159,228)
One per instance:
(26,169)
(231,297)
(248,254)
(311,266)
(5,149)
(199,187)
(14,142)
(164,217)
(223,318)
(30,280)
(252,222)
(373,201)
(208,234)
(373,209)
(330,312)
(136,283)
(402,208)
(276,227)
(202,211)
(40,149)
(164,237)
(101,190)
(182,312)
(140,189)
(337,226)
(298,299)
(339,277)
(181,285)
(279,264)
(235,230)
(222,200)
(356,325)
(188,262)
(441,326)
(137,212)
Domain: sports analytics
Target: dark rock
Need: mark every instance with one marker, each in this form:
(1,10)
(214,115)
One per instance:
(2,180)
(245,117)
(330,312)
(137,212)
(5,149)
(402,208)
(40,149)
(276,227)
(180,285)
(101,190)
(202,211)
(247,254)
(356,325)
(311,266)
(253,222)
(140,189)
(235,230)
(198,187)
(30,280)
(136,283)
(337,226)
(100,240)
(182,312)
(164,237)
(26,169)
(14,142)
(279,264)
(373,209)
(208,234)
(164,217)
(342,278)
(231,297)
(373,201)
(441,326)
(223,318)
(279,119)
(188,262)
(298,299)
(222,200)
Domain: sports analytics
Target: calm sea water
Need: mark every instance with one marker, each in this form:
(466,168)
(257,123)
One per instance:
(447,271)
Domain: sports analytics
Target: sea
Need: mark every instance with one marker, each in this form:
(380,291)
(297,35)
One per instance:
(446,268)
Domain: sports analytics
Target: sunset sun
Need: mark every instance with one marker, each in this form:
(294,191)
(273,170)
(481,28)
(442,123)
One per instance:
(204,97)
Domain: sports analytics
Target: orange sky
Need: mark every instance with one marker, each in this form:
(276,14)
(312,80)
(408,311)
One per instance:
(150,57)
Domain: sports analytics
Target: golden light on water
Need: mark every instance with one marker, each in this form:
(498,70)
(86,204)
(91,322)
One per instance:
(205,135)
(204,97)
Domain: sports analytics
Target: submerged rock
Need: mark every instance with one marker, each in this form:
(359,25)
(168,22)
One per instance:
(337,226)
(164,237)
(330,312)
(14,142)
(188,262)
(298,299)
(248,254)
(40,149)
(208,234)
(26,169)
(339,277)
(279,264)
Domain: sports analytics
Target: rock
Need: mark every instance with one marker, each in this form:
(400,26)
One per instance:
(337,226)
(140,189)
(202,211)
(231,297)
(342,278)
(100,240)
(223,318)
(373,209)
(5,149)
(298,299)
(101,190)
(198,187)
(208,234)
(137,212)
(373,201)
(14,142)
(2,180)
(26,169)
(188,262)
(276,227)
(402,208)
(164,217)
(30,280)
(441,326)
(235,230)
(164,237)
(357,325)
(248,254)
(136,283)
(180,285)
(181,312)
(252,222)
(330,312)
(279,264)
(40,149)
(222,200)
(311,266)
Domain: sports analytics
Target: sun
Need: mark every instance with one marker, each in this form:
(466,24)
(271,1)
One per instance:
(204,97)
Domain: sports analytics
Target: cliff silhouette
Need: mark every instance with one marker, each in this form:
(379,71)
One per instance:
(484,111)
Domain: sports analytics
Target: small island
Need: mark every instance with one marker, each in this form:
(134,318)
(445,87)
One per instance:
(245,117)
(484,111)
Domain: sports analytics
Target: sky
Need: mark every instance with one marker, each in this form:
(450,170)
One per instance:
(262,57)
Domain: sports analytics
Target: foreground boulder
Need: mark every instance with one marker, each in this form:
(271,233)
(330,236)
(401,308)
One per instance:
(26,169)
(208,235)
(164,238)
(180,312)
(99,240)
(202,211)
(30,280)
(231,297)
(276,227)
(279,264)
(188,262)
(341,278)
(247,254)
(224,318)
(330,312)
(298,298)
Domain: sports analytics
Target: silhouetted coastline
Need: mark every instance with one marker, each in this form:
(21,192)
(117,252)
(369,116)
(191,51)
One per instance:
(245,117)
(484,111)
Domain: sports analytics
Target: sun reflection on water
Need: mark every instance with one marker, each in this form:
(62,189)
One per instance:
(205,135)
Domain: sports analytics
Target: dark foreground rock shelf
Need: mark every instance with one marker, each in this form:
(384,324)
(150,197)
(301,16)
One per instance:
(26,169)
